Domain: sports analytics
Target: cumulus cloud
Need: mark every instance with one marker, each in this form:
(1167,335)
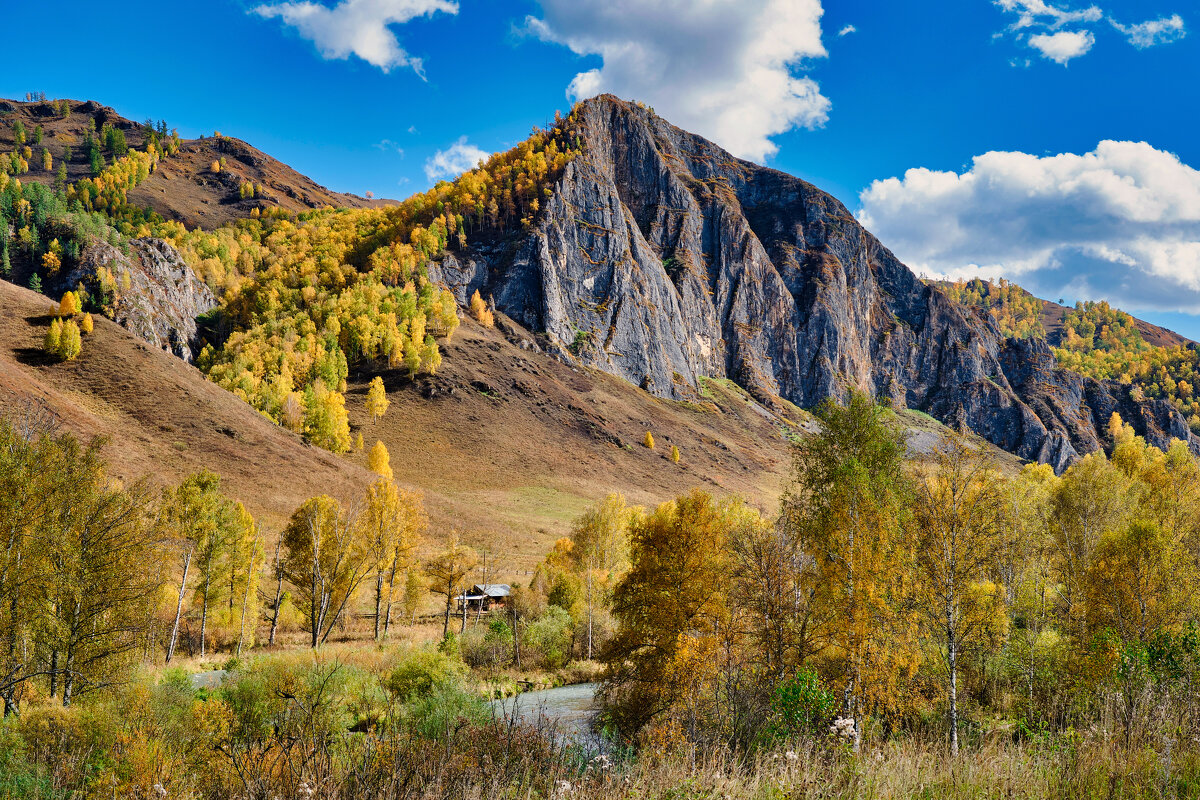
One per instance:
(357,27)
(454,160)
(725,69)
(846,31)
(1121,222)
(1061,47)
(1153,32)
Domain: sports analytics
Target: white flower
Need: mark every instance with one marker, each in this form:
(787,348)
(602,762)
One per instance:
(843,727)
(562,786)
(791,755)
(158,790)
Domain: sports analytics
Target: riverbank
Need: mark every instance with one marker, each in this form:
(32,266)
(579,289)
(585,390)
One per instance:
(498,684)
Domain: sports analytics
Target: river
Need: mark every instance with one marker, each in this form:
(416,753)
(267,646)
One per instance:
(568,710)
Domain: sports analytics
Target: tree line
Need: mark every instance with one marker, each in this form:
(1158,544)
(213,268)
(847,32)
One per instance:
(888,593)
(97,576)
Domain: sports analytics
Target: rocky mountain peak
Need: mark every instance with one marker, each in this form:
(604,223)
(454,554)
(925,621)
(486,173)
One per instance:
(661,258)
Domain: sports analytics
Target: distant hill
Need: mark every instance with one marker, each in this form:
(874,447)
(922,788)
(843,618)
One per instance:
(184,188)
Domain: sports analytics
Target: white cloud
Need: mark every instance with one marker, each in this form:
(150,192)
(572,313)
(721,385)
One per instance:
(1062,46)
(1121,222)
(1153,32)
(1039,24)
(846,31)
(358,27)
(454,160)
(1036,13)
(722,68)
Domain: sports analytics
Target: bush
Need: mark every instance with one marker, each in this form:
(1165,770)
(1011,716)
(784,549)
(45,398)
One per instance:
(547,641)
(802,706)
(487,647)
(421,673)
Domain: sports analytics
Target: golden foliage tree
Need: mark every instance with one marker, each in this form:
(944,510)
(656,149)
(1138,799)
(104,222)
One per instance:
(327,558)
(958,537)
(845,508)
(671,609)
(447,573)
(480,311)
(377,402)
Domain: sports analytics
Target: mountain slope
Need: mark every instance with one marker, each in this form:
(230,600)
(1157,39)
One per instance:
(184,188)
(162,418)
(508,444)
(661,259)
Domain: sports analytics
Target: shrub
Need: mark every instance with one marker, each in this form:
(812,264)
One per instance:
(648,441)
(487,647)
(422,672)
(548,640)
(802,706)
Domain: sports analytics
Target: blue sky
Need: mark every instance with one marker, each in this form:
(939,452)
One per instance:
(364,94)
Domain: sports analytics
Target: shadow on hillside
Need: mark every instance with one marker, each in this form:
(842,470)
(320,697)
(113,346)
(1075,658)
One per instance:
(33,357)
(42,320)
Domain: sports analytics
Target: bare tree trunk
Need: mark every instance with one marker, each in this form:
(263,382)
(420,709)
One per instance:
(278,597)
(446,617)
(589,614)
(387,617)
(952,660)
(516,636)
(246,595)
(204,610)
(378,601)
(187,563)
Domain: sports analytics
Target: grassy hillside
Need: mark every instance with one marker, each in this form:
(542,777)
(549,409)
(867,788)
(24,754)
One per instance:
(162,418)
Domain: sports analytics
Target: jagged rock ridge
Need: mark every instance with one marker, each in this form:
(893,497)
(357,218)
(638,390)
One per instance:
(660,258)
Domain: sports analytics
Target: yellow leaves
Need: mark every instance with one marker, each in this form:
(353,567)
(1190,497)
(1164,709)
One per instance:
(377,402)
(69,305)
(480,311)
(379,462)
(63,340)
(648,440)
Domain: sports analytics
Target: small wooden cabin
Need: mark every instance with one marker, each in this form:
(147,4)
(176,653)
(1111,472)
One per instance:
(485,597)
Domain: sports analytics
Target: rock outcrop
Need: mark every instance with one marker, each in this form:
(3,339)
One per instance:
(158,297)
(660,258)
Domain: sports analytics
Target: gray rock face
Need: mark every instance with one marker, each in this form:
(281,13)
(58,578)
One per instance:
(660,258)
(163,299)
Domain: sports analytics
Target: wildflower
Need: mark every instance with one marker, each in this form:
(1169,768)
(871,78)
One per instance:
(843,727)
(562,787)
(791,755)
(158,790)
